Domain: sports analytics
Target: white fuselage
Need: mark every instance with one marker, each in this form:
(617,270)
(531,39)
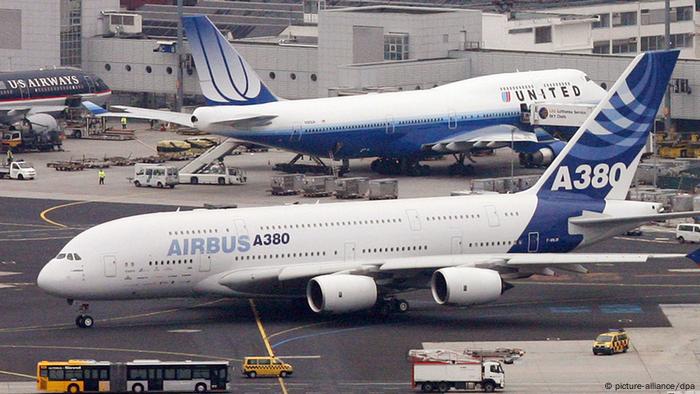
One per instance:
(185,253)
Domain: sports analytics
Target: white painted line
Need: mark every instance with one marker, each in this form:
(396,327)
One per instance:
(300,357)
(8,273)
(2,286)
(184,331)
(646,240)
(688,270)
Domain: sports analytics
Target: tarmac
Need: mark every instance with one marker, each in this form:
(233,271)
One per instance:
(554,319)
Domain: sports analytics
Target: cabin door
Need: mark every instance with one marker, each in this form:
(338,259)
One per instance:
(533,242)
(110,263)
(390,125)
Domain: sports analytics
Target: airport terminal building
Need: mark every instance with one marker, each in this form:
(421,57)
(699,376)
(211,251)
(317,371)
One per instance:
(316,48)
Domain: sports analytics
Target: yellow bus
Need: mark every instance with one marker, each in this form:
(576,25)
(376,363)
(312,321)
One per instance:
(89,376)
(73,376)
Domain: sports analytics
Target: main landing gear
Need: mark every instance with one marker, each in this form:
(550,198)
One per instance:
(83,320)
(389,305)
(389,166)
(459,168)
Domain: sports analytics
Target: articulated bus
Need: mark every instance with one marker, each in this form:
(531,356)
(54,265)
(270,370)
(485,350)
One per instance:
(139,376)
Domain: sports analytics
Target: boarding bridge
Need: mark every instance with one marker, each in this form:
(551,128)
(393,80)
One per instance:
(211,155)
(552,114)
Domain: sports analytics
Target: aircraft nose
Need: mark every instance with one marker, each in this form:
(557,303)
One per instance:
(49,278)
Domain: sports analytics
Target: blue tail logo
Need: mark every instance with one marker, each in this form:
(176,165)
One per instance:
(224,76)
(600,160)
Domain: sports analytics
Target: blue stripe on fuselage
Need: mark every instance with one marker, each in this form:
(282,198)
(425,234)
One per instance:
(355,141)
(551,222)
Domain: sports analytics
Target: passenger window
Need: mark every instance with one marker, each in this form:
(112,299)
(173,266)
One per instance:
(494,368)
(697,229)
(264,362)
(252,362)
(169,373)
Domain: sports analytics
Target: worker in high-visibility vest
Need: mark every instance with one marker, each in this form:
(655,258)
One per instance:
(101,175)
(123,121)
(10,157)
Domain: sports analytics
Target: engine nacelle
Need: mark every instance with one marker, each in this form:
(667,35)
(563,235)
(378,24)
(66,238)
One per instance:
(466,286)
(341,293)
(543,156)
(42,123)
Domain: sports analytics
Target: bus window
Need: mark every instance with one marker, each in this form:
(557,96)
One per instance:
(56,374)
(137,374)
(43,373)
(169,374)
(200,373)
(184,374)
(104,374)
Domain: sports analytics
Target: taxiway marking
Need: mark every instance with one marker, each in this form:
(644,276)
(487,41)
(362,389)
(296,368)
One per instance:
(685,270)
(265,339)
(21,375)
(43,213)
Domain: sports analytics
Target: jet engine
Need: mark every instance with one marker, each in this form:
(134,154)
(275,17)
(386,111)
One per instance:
(466,286)
(41,123)
(341,293)
(542,156)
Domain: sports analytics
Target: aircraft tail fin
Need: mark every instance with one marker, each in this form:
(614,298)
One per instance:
(224,76)
(600,160)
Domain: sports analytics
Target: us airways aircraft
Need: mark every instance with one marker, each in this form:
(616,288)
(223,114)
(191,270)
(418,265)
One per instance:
(27,93)
(354,256)
(399,128)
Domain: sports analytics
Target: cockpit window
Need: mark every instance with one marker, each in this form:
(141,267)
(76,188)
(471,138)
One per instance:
(586,77)
(61,256)
(70,256)
(76,256)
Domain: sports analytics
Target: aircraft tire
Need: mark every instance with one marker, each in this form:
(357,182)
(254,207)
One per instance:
(87,321)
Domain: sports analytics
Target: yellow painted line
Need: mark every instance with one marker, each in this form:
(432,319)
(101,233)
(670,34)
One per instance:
(115,349)
(27,225)
(21,375)
(298,328)
(265,340)
(43,213)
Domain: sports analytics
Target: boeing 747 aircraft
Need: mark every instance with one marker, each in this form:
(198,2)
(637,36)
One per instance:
(354,256)
(399,128)
(27,93)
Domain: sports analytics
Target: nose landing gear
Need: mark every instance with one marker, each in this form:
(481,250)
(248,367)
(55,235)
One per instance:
(84,320)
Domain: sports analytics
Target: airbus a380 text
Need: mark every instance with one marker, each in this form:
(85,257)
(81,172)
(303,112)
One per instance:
(347,257)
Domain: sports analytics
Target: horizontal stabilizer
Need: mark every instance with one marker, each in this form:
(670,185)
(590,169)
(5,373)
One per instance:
(603,219)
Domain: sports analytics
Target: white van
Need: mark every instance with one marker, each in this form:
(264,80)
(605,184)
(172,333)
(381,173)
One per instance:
(688,232)
(156,175)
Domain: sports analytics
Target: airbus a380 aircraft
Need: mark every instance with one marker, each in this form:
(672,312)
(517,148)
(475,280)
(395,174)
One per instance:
(400,128)
(347,257)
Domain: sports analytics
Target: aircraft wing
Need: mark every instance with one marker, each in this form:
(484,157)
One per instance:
(180,118)
(13,114)
(490,137)
(248,279)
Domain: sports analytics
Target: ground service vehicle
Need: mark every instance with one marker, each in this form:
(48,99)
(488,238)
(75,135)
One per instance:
(688,232)
(441,370)
(611,342)
(155,175)
(266,366)
(90,376)
(19,170)
(216,174)
(37,138)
